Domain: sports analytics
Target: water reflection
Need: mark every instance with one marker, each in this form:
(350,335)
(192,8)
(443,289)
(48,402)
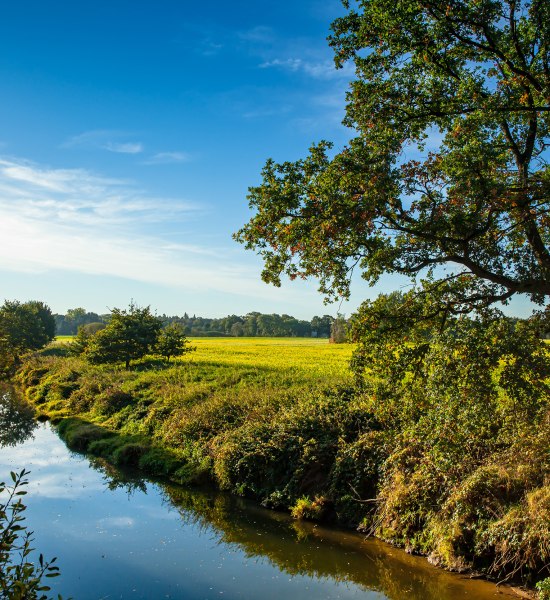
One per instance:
(117,535)
(303,550)
(17,422)
(115,479)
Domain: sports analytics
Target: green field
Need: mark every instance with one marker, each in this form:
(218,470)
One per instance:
(184,418)
(64,338)
(313,358)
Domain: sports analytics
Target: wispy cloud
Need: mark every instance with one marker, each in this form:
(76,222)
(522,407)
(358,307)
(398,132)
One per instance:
(124,148)
(105,139)
(318,70)
(208,47)
(163,158)
(79,197)
(259,34)
(75,220)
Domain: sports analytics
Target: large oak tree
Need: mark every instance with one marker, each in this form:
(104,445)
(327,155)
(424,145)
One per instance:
(447,178)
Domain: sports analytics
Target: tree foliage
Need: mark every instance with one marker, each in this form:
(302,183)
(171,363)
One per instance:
(339,330)
(70,323)
(447,178)
(26,326)
(172,342)
(129,335)
(23,326)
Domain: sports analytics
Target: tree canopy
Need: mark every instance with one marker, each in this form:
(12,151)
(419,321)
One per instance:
(172,341)
(26,326)
(446,180)
(130,335)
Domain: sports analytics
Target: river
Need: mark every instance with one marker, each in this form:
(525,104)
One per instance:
(117,535)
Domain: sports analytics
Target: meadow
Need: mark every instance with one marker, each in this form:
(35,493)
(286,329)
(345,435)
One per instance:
(315,359)
(183,412)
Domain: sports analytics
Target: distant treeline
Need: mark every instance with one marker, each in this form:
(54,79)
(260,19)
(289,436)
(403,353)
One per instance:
(253,324)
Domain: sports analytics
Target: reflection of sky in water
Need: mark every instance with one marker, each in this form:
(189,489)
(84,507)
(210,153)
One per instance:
(55,474)
(111,544)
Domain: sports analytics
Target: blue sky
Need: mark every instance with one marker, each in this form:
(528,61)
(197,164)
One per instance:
(129,134)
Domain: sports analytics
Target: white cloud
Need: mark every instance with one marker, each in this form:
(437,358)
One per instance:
(207,47)
(78,197)
(259,34)
(163,158)
(76,221)
(105,139)
(316,69)
(116,523)
(124,148)
(52,472)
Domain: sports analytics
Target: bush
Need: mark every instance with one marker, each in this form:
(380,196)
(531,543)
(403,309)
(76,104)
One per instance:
(79,434)
(312,510)
(111,401)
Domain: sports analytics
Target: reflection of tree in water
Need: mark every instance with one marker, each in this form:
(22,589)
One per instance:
(301,548)
(16,418)
(117,479)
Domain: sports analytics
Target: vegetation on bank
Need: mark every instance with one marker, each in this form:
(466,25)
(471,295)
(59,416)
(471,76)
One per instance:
(451,452)
(440,444)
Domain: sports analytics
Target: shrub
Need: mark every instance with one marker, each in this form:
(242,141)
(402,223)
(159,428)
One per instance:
(312,510)
(111,401)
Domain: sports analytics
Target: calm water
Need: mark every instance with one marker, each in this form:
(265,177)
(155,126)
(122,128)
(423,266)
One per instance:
(118,537)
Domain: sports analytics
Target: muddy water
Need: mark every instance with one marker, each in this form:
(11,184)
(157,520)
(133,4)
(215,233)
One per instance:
(118,536)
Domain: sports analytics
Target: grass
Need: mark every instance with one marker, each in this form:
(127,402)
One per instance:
(184,409)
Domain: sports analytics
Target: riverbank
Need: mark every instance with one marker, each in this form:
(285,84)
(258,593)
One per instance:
(292,439)
(118,534)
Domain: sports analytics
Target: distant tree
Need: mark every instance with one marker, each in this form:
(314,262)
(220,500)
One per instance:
(69,323)
(250,324)
(129,335)
(44,315)
(24,326)
(82,339)
(322,325)
(172,342)
(237,330)
(92,328)
(76,315)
